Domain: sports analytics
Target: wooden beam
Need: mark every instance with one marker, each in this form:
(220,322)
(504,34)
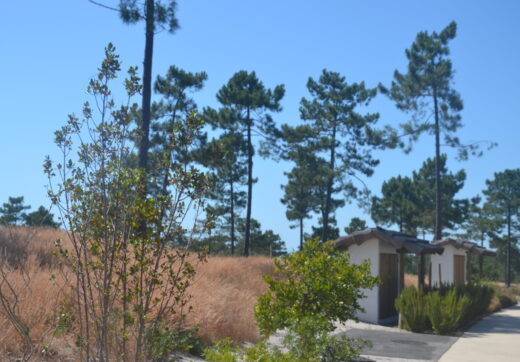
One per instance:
(421,271)
(430,273)
(400,268)
(481,266)
(468,268)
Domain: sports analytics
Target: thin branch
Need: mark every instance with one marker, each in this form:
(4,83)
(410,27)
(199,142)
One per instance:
(103,5)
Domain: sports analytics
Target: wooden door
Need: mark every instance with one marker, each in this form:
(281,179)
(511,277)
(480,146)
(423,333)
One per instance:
(388,289)
(458,269)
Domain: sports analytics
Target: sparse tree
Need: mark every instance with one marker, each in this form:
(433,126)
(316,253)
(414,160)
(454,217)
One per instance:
(169,123)
(424,181)
(41,217)
(397,205)
(225,157)
(503,205)
(127,283)
(156,14)
(248,99)
(426,91)
(356,224)
(343,137)
(263,242)
(12,212)
(301,191)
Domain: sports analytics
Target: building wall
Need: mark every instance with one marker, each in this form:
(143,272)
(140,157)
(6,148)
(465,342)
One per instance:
(446,262)
(358,254)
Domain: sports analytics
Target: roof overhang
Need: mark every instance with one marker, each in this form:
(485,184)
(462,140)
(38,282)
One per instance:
(402,242)
(469,246)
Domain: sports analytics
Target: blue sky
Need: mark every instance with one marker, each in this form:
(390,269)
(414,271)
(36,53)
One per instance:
(51,49)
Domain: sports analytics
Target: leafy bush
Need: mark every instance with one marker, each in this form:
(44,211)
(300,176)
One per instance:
(446,313)
(412,308)
(310,290)
(163,340)
(479,300)
(445,309)
(226,351)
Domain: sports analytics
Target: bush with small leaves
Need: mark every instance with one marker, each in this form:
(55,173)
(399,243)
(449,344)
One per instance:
(311,289)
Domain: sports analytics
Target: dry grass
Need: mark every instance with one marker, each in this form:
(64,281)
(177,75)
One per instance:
(410,280)
(28,264)
(224,294)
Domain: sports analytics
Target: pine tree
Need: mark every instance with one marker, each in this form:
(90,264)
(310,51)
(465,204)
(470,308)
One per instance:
(355,224)
(246,96)
(426,90)
(503,205)
(226,158)
(41,217)
(424,181)
(397,205)
(478,226)
(156,14)
(13,211)
(169,126)
(301,192)
(343,137)
(262,242)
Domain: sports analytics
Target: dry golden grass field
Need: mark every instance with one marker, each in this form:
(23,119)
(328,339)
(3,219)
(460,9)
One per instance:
(223,292)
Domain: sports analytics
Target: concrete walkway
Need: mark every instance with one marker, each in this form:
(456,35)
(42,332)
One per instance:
(494,338)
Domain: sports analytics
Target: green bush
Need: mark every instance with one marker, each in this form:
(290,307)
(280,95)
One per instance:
(444,309)
(165,340)
(479,300)
(226,351)
(412,308)
(311,289)
(446,313)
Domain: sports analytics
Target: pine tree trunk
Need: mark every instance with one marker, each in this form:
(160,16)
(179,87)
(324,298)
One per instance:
(508,252)
(438,205)
(329,186)
(301,234)
(249,184)
(145,144)
(232,218)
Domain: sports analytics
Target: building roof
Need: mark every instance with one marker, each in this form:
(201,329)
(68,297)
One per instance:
(469,246)
(401,241)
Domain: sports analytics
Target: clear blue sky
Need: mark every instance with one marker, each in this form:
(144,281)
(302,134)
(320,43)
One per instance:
(51,48)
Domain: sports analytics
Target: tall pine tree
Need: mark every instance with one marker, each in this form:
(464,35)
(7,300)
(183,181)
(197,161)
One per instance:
(503,205)
(343,137)
(426,92)
(397,205)
(246,96)
(226,159)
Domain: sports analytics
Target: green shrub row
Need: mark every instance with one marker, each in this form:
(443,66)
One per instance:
(443,310)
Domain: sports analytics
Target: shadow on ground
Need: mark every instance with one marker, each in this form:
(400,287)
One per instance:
(403,345)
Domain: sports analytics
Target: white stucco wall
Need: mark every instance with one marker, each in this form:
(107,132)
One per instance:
(446,262)
(358,254)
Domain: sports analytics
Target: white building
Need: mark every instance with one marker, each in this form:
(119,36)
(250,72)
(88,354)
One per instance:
(385,249)
(451,267)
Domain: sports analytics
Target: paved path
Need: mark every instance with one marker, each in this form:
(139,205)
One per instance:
(392,345)
(494,338)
